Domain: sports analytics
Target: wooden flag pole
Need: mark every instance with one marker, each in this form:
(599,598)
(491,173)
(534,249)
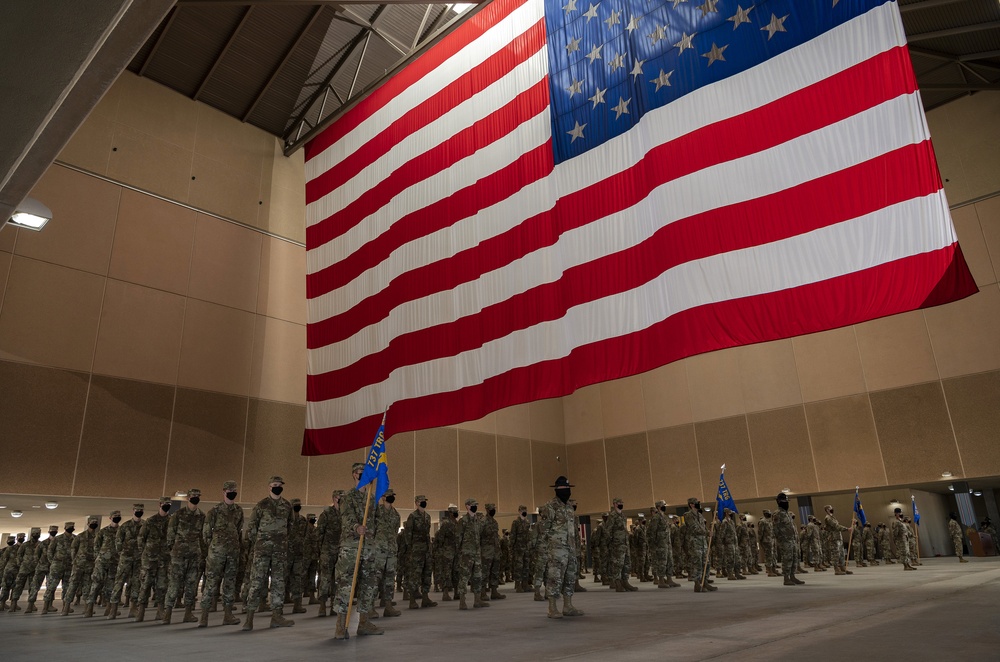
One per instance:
(916,535)
(357,559)
(708,552)
(850,539)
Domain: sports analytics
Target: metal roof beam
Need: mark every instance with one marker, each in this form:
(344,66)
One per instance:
(952,32)
(159,40)
(985,55)
(926,4)
(948,57)
(222,54)
(961,87)
(345,14)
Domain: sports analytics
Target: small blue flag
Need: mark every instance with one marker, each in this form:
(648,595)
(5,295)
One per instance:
(724,499)
(376,467)
(916,513)
(859,511)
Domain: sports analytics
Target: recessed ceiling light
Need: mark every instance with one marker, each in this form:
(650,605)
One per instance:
(36,506)
(785,490)
(951,487)
(946,474)
(977,493)
(51,505)
(2,507)
(16,513)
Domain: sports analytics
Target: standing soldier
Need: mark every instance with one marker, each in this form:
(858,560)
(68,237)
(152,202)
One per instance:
(596,536)
(640,549)
(696,535)
(560,545)
(519,531)
(386,526)
(83,565)
(297,556)
(328,533)
(470,560)
(269,528)
(8,568)
(60,557)
(155,560)
(745,564)
(504,556)
(911,541)
(765,534)
(954,530)
(900,539)
(446,541)
(835,551)
(661,544)
(312,558)
(489,545)
(352,525)
(105,565)
(784,534)
(24,565)
(730,553)
(679,545)
(184,542)
(222,535)
(418,548)
(885,544)
(868,540)
(618,548)
(127,572)
(813,545)
(856,548)
(41,568)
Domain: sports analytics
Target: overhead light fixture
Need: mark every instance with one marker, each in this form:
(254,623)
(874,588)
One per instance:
(893,502)
(461,7)
(951,487)
(977,493)
(31,215)
(785,490)
(181,494)
(51,505)
(946,474)
(2,507)
(16,513)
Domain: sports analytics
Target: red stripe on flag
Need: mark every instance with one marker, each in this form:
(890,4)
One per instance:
(887,289)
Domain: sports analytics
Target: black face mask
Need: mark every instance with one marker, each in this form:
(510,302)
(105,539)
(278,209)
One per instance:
(138,514)
(423,504)
(10,543)
(524,514)
(277,490)
(116,519)
(92,525)
(473,509)
(195,500)
(296,508)
(491,513)
(231,496)
(312,520)
(783,505)
(390,499)
(563,494)
(165,507)
(36,536)
(620,506)
(663,509)
(70,530)
(697,505)
(574,507)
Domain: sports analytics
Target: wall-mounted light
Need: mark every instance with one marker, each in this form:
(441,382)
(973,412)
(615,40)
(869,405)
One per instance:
(51,505)
(893,502)
(977,493)
(16,513)
(951,487)
(785,490)
(31,215)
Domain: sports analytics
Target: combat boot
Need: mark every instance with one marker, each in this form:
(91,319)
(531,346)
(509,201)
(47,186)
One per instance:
(248,624)
(203,620)
(740,575)
(553,609)
(30,609)
(372,613)
(838,571)
(788,581)
(731,576)
(568,608)
(796,580)
(478,603)
(461,601)
(167,613)
(88,612)
(482,595)
(107,610)
(390,610)
(845,571)
(445,597)
(279,621)
(66,609)
(698,589)
(711,587)
(159,612)
(322,609)
(366,627)
(907,566)
(47,606)
(413,603)
(576,588)
(799,568)
(13,606)
(497,595)
(962,559)
(297,607)
(671,583)
(538,594)
(227,616)
(616,585)
(140,614)
(629,587)
(605,581)
(132,611)
(312,598)
(189,616)
(341,631)
(427,602)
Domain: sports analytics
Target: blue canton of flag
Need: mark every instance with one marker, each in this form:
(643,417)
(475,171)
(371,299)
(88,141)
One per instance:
(376,467)
(859,511)
(724,499)
(612,61)
(916,513)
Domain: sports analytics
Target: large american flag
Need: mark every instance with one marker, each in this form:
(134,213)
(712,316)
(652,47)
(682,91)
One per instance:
(563,192)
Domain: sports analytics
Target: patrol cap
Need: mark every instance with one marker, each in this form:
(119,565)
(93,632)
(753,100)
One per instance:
(642,516)
(194,492)
(357,466)
(727,510)
(296,502)
(69,524)
(338,493)
(419,498)
(452,508)
(53,529)
(659,503)
(616,500)
(491,506)
(276,479)
(522,509)
(229,485)
(115,513)
(137,506)
(35,530)
(164,499)
(311,516)
(471,502)
(20,537)
(389,492)
(767,512)
(91,518)
(693,500)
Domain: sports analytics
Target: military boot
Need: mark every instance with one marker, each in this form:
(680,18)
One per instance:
(961,559)
(616,586)
(13,606)
(159,612)
(796,580)
(66,608)
(167,613)
(390,610)
(445,597)
(47,606)
(278,620)
(366,627)
(248,624)
(427,602)
(372,613)
(478,602)
(140,614)
(698,589)
(788,581)
(132,611)
(907,566)
(89,610)
(461,601)
(203,620)
(553,609)
(413,603)
(312,598)
(483,597)
(107,610)
(297,607)
(576,588)
(711,587)
(740,575)
(322,609)
(538,594)
(189,616)
(846,571)
(605,581)
(771,573)
(568,608)
(341,631)
(628,587)
(496,595)
(227,616)
(30,609)
(799,568)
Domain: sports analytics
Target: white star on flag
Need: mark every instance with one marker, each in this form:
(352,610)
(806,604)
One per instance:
(715,54)
(685,42)
(633,24)
(598,97)
(592,12)
(663,80)
(569,7)
(617,63)
(741,16)
(594,54)
(576,131)
(776,25)
(709,7)
(575,88)
(573,45)
(637,69)
(613,19)
(622,107)
(658,35)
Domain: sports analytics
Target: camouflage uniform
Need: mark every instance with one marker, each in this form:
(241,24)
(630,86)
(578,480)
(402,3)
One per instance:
(446,542)
(297,556)
(784,534)
(8,569)
(696,536)
(60,557)
(24,565)
(469,567)
(765,536)
(41,568)
(222,536)
(127,572)
(504,556)
(155,559)
(911,541)
(489,544)
(955,531)
(679,546)
(312,557)
(402,559)
(856,548)
(640,550)
(519,531)
(730,554)
(328,533)
(184,542)
(901,540)
(418,541)
(268,531)
(595,550)
(560,543)
(868,540)
(618,547)
(659,536)
(386,527)
(836,539)
(352,514)
(105,563)
(83,564)
(743,543)
(885,548)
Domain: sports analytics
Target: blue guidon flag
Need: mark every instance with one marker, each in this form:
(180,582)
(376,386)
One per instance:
(859,510)
(724,499)
(376,466)
(564,192)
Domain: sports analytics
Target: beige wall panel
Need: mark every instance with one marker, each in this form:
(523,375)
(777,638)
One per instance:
(140,333)
(583,420)
(829,364)
(548,461)
(239,145)
(157,110)
(988,212)
(149,163)
(896,351)
(274,447)
(782,454)
(400,451)
(973,243)
(123,450)
(206,442)
(487,423)
(90,146)
(546,420)
(226,263)
(278,367)
(961,129)
(726,441)
(514,421)
(974,405)
(333,472)
(222,190)
(287,171)
(8,233)
(50,315)
(84,209)
(769,376)
(673,456)
(845,446)
(281,292)
(287,214)
(622,407)
(216,348)
(436,468)
(513,473)
(966,333)
(629,476)
(5,260)
(41,420)
(153,243)
(588,472)
(915,433)
(714,383)
(477,467)
(665,395)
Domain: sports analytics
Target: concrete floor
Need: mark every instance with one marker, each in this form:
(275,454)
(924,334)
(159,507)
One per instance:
(942,611)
